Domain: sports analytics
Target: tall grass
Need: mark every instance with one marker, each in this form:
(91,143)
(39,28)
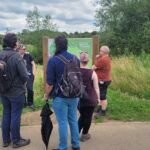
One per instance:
(39,86)
(132,75)
(38,90)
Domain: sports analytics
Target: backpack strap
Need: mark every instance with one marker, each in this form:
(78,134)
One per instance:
(75,60)
(8,56)
(62,58)
(6,59)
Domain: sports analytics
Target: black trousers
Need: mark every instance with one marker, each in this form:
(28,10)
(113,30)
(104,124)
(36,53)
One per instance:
(85,118)
(30,92)
(29,97)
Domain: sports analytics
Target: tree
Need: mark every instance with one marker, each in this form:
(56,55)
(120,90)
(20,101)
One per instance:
(47,23)
(36,22)
(123,24)
(34,19)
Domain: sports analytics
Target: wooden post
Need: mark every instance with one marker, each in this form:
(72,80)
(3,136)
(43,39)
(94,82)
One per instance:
(95,47)
(45,56)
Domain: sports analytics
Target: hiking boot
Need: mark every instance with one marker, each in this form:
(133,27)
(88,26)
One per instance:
(85,137)
(22,142)
(6,144)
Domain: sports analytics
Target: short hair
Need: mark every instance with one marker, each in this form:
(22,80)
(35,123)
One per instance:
(105,49)
(84,57)
(10,40)
(61,44)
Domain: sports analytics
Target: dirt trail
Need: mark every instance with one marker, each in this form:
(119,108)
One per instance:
(33,118)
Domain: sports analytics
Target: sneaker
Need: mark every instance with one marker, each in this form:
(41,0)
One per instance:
(97,109)
(102,113)
(22,142)
(32,107)
(85,137)
(6,144)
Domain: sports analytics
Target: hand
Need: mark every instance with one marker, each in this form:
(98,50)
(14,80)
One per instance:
(94,67)
(33,73)
(99,101)
(97,55)
(46,97)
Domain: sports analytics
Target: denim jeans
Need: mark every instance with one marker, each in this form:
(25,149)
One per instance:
(12,108)
(66,112)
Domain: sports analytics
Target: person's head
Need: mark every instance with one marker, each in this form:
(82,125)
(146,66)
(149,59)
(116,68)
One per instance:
(61,44)
(10,40)
(22,49)
(84,58)
(104,50)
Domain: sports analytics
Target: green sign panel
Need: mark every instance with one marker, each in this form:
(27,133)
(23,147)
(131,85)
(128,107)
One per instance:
(75,46)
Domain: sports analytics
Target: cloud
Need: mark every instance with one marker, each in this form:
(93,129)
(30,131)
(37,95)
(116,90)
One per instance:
(69,15)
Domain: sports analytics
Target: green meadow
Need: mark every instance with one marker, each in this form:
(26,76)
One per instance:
(128,95)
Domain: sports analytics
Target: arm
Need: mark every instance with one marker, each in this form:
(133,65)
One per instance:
(50,78)
(94,67)
(97,63)
(48,90)
(33,67)
(95,83)
(22,70)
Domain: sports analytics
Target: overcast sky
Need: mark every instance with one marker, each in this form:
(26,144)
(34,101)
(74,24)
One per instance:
(69,15)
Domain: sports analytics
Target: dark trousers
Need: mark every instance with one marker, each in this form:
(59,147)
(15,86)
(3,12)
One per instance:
(12,108)
(30,92)
(85,118)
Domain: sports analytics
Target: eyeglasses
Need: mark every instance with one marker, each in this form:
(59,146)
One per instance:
(83,52)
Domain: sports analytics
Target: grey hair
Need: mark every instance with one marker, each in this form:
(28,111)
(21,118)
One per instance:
(105,49)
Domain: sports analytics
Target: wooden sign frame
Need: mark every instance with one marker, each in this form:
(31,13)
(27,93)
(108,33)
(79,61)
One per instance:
(95,51)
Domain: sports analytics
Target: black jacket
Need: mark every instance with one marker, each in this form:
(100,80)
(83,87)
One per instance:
(18,73)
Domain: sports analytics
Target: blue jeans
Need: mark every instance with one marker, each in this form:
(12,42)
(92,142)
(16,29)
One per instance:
(66,112)
(12,108)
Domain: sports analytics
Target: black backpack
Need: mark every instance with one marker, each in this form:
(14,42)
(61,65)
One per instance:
(71,84)
(5,77)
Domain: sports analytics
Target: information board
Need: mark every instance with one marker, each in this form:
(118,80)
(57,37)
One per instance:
(75,46)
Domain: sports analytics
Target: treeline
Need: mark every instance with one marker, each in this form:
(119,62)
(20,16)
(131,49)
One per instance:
(34,40)
(124,25)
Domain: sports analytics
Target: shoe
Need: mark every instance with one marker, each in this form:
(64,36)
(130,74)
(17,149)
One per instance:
(78,148)
(102,113)
(85,137)
(97,109)
(25,105)
(96,115)
(6,144)
(32,107)
(22,142)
